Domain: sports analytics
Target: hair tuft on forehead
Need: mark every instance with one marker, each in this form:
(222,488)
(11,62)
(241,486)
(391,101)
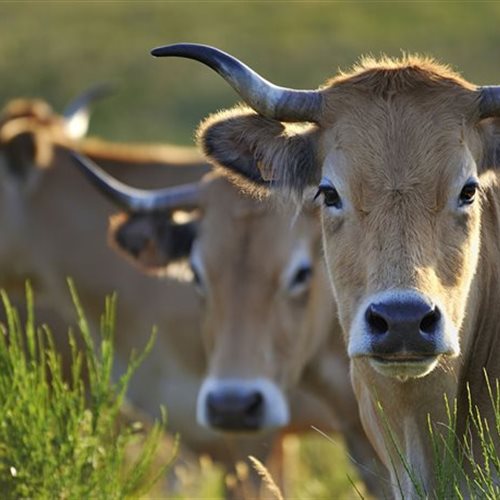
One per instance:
(399,74)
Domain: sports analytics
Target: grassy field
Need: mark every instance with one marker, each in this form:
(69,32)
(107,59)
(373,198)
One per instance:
(55,49)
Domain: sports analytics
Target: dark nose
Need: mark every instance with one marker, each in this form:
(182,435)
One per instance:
(409,325)
(233,410)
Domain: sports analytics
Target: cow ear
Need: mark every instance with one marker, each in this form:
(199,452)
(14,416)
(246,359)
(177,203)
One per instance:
(259,152)
(154,242)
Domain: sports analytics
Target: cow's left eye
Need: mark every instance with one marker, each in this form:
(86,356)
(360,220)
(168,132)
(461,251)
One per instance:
(468,193)
(331,197)
(302,275)
(301,279)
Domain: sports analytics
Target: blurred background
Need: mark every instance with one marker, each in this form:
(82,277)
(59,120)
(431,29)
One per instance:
(56,49)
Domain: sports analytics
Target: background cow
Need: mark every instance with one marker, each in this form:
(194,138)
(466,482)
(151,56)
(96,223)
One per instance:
(54,226)
(402,156)
(270,333)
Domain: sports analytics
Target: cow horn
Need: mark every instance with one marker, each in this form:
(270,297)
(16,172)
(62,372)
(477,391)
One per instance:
(132,199)
(77,115)
(267,99)
(489,104)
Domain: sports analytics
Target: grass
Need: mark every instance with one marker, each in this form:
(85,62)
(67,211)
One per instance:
(465,466)
(471,468)
(318,467)
(60,438)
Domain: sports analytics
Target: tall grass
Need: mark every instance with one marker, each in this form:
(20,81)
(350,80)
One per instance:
(465,466)
(59,438)
(469,467)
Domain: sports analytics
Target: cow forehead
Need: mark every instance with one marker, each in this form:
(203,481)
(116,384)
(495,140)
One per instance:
(253,235)
(393,105)
(411,141)
(24,108)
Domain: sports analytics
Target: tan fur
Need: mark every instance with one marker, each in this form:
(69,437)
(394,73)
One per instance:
(399,138)
(249,307)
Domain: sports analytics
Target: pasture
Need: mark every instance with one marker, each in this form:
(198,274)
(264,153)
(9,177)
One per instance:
(54,50)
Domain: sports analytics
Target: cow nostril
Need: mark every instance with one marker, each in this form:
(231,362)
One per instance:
(430,321)
(378,324)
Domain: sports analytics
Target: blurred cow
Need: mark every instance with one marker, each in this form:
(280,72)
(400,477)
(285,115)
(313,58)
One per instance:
(269,328)
(52,226)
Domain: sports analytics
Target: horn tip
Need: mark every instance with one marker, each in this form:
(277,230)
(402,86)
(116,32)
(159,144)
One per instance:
(176,49)
(165,50)
(156,52)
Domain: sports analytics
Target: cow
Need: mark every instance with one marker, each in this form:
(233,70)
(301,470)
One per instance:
(401,155)
(53,225)
(268,328)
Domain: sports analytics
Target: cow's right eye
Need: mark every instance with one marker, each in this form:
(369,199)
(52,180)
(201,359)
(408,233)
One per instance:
(331,197)
(468,193)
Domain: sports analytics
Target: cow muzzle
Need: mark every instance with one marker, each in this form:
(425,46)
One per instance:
(403,333)
(234,405)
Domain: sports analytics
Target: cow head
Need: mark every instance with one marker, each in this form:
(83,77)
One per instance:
(29,130)
(258,273)
(397,153)
(30,133)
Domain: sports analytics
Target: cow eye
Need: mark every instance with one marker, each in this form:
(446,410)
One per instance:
(301,279)
(331,197)
(468,193)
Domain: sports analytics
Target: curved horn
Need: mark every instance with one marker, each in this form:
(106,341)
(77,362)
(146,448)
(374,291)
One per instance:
(77,114)
(489,104)
(132,199)
(267,99)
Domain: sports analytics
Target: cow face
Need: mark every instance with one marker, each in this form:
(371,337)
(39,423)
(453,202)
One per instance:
(25,149)
(408,196)
(258,274)
(30,133)
(395,158)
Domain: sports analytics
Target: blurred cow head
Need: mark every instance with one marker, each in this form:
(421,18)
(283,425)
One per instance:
(259,276)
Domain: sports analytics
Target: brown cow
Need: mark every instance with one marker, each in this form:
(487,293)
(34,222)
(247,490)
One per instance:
(402,154)
(269,327)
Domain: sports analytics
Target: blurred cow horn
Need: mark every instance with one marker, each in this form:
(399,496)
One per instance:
(490,101)
(132,199)
(77,114)
(267,99)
